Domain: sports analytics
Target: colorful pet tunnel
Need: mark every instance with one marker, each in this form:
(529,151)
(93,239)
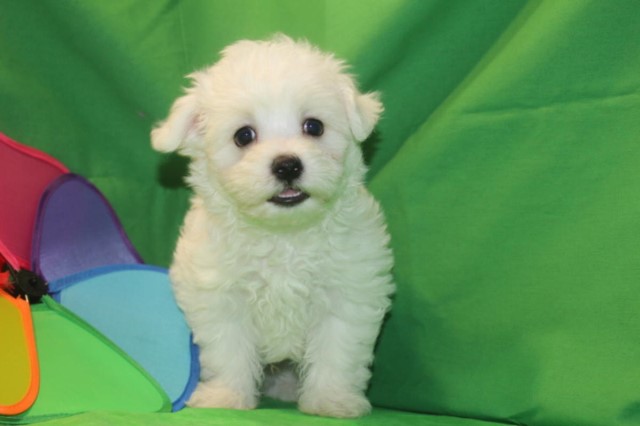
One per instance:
(106,307)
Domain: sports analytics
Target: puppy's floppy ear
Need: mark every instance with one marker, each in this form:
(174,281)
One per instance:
(180,129)
(363,111)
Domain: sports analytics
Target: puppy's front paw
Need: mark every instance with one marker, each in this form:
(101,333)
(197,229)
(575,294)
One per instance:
(334,404)
(215,395)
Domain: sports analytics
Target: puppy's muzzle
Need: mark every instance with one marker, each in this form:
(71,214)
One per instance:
(287,169)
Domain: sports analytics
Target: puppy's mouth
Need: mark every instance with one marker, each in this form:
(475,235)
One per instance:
(289,197)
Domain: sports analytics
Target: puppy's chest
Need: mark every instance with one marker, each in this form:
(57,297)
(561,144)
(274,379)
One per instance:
(283,291)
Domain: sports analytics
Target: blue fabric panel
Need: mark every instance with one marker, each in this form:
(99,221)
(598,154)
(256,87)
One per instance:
(133,305)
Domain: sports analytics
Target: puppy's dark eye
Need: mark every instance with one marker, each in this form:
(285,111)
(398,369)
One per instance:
(244,136)
(313,127)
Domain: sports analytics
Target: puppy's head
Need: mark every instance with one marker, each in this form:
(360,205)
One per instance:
(272,131)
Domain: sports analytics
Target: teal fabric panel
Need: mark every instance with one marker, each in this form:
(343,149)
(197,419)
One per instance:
(133,306)
(506,161)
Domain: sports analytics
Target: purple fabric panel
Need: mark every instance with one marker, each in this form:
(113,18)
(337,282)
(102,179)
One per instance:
(76,229)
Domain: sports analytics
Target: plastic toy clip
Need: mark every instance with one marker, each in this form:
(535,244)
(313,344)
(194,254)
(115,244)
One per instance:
(22,283)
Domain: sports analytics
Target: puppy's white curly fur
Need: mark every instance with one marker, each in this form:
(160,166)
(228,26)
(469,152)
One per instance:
(261,283)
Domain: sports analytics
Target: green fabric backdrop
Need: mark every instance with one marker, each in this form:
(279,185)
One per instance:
(507,161)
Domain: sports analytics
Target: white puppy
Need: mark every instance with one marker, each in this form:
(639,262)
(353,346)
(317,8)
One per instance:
(283,267)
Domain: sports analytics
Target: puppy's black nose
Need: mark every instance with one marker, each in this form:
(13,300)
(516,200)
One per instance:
(287,168)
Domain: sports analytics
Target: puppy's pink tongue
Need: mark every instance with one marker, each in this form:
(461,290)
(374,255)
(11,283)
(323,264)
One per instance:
(289,192)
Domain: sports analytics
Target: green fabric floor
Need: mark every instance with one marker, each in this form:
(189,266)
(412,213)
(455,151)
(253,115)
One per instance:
(507,162)
(271,413)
